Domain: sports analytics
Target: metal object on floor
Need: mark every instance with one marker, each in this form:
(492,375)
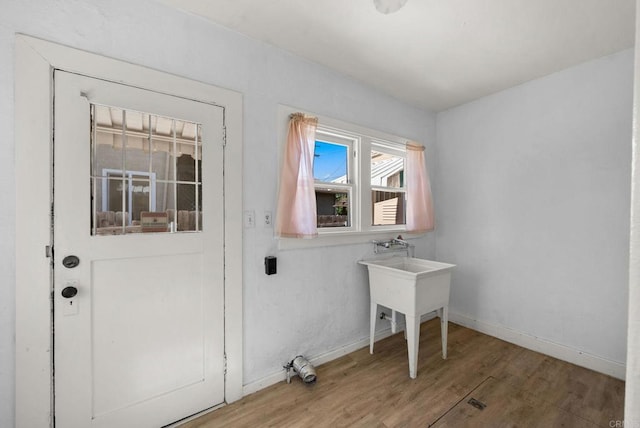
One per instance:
(303,367)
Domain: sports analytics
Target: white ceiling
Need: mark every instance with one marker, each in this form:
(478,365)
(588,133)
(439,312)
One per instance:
(434,54)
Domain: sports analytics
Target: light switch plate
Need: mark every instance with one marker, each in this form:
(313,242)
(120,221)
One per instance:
(249,219)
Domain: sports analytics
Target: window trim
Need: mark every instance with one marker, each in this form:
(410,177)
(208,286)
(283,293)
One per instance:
(361,230)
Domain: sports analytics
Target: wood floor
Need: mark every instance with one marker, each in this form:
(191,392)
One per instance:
(518,387)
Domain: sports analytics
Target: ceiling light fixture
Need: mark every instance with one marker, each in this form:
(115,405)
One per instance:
(389,6)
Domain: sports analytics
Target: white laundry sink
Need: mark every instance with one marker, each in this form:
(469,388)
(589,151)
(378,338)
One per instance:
(414,287)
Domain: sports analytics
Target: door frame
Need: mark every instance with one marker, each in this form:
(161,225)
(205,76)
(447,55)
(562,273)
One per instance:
(35,61)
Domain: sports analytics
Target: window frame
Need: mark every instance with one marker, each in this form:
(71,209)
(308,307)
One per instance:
(391,149)
(362,229)
(337,137)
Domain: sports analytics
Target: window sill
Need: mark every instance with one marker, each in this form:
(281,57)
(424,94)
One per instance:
(332,239)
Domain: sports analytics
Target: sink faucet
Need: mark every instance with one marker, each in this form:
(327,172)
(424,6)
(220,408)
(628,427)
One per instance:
(393,244)
(400,241)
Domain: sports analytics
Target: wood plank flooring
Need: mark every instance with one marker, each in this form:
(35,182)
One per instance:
(520,388)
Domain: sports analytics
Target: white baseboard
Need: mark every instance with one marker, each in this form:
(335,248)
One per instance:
(561,352)
(280,375)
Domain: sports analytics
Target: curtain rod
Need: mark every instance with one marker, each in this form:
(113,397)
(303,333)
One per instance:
(306,116)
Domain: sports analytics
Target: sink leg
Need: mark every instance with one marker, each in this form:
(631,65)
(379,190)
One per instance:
(444,329)
(413,339)
(393,322)
(372,325)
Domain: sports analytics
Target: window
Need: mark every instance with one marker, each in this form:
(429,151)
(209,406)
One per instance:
(359,182)
(333,175)
(359,179)
(388,199)
(146,172)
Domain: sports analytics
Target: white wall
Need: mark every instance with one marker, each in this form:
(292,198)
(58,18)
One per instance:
(318,301)
(632,390)
(532,199)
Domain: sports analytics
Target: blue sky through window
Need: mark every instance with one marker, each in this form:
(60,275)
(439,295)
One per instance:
(330,161)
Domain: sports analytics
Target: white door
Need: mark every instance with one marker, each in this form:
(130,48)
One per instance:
(138,209)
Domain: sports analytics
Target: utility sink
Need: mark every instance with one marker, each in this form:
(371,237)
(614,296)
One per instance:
(414,287)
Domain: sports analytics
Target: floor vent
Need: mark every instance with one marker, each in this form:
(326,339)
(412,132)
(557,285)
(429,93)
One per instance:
(477,404)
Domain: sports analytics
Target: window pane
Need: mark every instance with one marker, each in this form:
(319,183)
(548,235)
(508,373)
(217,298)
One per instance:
(115,191)
(141,190)
(187,198)
(332,208)
(387,208)
(164,196)
(137,157)
(387,170)
(146,172)
(109,192)
(330,162)
(106,140)
(165,202)
(104,218)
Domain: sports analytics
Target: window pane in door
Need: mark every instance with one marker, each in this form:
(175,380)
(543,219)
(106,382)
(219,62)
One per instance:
(146,167)
(188,207)
(100,218)
(106,139)
(109,191)
(116,191)
(140,191)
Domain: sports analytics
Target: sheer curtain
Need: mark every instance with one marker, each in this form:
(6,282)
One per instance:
(296,215)
(419,201)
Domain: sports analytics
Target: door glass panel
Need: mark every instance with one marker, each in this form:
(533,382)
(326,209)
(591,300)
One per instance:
(142,192)
(106,140)
(187,202)
(115,191)
(104,221)
(148,169)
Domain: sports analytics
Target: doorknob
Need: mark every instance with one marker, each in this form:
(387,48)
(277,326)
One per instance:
(69,292)
(70,262)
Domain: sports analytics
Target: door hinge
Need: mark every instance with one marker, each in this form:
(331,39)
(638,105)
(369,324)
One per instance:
(225,364)
(224,136)
(48,251)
